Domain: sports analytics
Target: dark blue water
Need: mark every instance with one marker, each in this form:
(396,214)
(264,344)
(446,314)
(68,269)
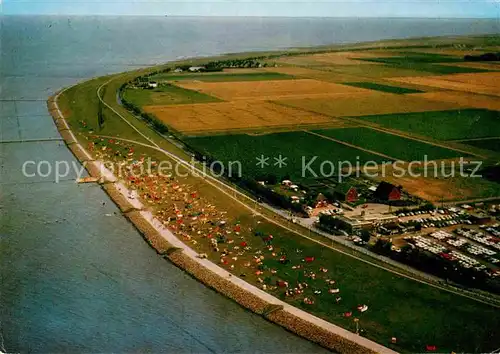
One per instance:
(76,280)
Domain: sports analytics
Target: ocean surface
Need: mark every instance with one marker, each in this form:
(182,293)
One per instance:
(75,275)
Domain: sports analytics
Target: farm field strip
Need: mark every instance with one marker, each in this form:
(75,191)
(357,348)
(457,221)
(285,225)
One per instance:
(372,104)
(335,58)
(315,74)
(450,84)
(255,89)
(343,142)
(166,95)
(490,66)
(381,142)
(270,129)
(489,79)
(492,144)
(441,125)
(383,88)
(425,62)
(223,77)
(297,147)
(463,99)
(235,115)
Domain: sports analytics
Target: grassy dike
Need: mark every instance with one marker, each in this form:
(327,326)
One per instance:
(272,312)
(414,313)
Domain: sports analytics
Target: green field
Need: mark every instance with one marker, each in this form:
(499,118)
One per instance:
(487,144)
(221,77)
(374,71)
(391,145)
(383,88)
(443,125)
(425,62)
(165,95)
(292,145)
(417,57)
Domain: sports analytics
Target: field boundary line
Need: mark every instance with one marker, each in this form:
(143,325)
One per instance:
(411,137)
(351,145)
(358,120)
(209,179)
(476,139)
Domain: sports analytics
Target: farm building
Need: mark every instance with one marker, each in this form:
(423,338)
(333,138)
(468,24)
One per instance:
(152,84)
(387,192)
(196,69)
(346,192)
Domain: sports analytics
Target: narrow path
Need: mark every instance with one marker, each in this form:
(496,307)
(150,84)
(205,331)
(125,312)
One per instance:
(223,187)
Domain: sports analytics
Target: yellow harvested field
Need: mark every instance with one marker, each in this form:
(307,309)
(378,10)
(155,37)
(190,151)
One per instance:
(476,65)
(335,58)
(463,98)
(315,74)
(482,83)
(374,103)
(485,79)
(238,115)
(270,89)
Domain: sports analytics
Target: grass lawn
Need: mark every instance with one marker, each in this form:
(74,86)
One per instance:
(292,145)
(383,88)
(391,145)
(165,95)
(444,125)
(221,77)
(487,144)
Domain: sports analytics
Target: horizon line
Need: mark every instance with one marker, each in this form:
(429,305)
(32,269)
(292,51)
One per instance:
(253,16)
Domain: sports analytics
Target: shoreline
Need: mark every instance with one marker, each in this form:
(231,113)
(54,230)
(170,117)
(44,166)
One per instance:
(166,244)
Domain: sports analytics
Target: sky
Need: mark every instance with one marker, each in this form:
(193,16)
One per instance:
(291,8)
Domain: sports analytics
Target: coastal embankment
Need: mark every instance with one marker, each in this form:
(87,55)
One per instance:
(171,248)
